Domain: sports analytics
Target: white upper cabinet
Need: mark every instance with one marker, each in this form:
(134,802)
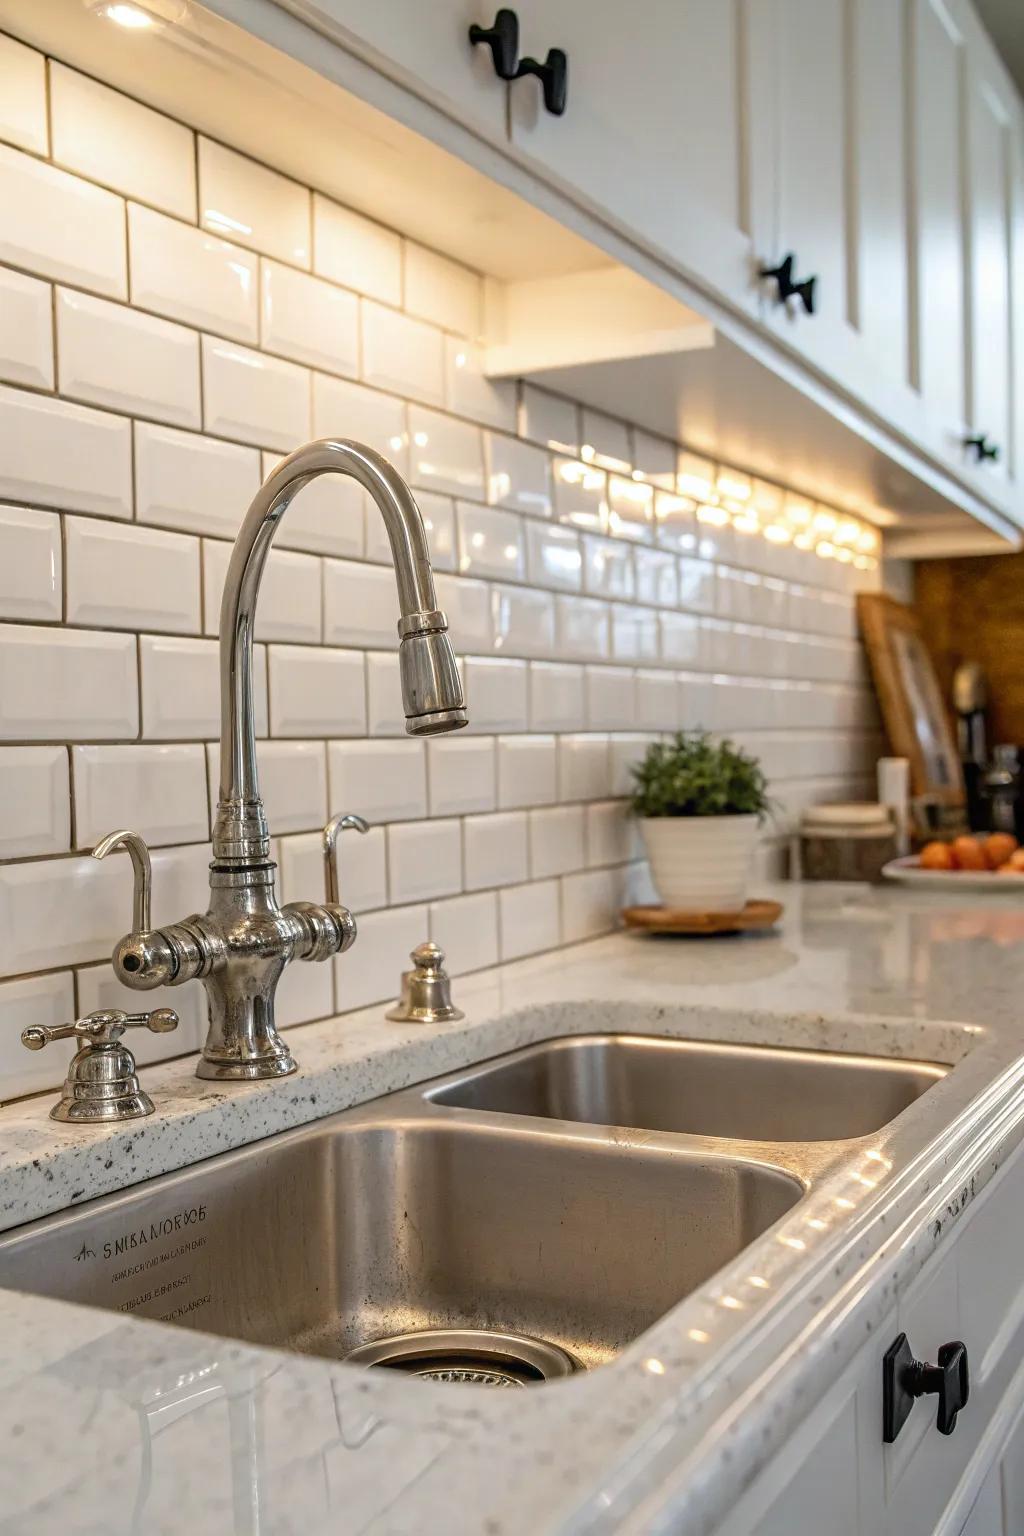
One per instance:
(651,136)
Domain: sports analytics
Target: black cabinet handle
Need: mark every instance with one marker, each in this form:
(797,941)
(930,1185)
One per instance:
(787,288)
(553,75)
(983,449)
(503,41)
(905,1379)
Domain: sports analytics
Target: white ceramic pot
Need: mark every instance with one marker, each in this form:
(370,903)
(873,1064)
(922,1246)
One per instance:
(701,863)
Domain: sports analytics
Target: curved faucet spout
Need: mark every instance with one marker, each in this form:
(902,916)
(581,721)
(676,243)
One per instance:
(430,683)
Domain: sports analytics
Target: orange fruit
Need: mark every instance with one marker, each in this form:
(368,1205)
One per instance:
(968,853)
(1016,861)
(1008,869)
(937,856)
(998,847)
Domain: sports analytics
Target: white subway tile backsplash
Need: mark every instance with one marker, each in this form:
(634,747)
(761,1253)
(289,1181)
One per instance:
(181,688)
(254,398)
(655,459)
(360,604)
(550,420)
(623,752)
(372,972)
(380,780)
(608,567)
(442,291)
(608,833)
(527,771)
(495,850)
(631,509)
(159,791)
(466,928)
(657,577)
(402,354)
(354,251)
(681,640)
(191,275)
(490,542)
(529,919)
(316,692)
(98,987)
(362,866)
(580,495)
(304,993)
(495,691)
(326,517)
(110,355)
(110,138)
(35,804)
(344,409)
(424,859)
(518,475)
(524,621)
(59,226)
(556,696)
(553,556)
(34,1000)
(468,606)
(460,774)
(23,97)
(26,329)
(385,713)
(123,577)
(582,628)
(468,390)
(657,704)
(64,455)
(290,595)
(30,564)
(589,905)
(697,591)
(584,768)
(59,684)
(293,783)
(610,698)
(193,483)
(56,912)
(438,513)
(253,205)
(634,633)
(308,320)
(556,841)
(445,455)
(605,441)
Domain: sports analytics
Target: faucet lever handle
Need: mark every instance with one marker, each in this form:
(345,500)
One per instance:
(142,872)
(334,827)
(100,1028)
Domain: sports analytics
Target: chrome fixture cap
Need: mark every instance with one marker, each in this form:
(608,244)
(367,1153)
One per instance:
(426,990)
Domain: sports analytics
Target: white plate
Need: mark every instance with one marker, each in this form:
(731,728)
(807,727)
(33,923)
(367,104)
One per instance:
(909,871)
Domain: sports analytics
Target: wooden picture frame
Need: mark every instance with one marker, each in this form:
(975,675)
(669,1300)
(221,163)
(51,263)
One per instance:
(913,711)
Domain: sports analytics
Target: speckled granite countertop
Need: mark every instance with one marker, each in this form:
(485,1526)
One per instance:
(115,1425)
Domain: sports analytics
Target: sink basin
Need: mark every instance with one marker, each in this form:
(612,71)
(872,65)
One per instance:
(400,1216)
(746,1092)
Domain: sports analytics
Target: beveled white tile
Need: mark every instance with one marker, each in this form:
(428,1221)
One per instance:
(625,751)
(356,252)
(159,791)
(385,712)
(193,483)
(360,605)
(582,628)
(253,205)
(495,693)
(442,291)
(181,688)
(33,1000)
(98,987)
(466,928)
(657,577)
(490,542)
(495,850)
(400,354)
(630,509)
(680,639)
(608,833)
(580,495)
(30,564)
(657,704)
(556,840)
(290,594)
(57,912)
(527,771)
(123,577)
(344,409)
(606,439)
(59,226)
(529,919)
(60,684)
(608,567)
(518,475)
(589,905)
(468,390)
(110,355)
(316,691)
(445,455)
(23,96)
(191,275)
(327,516)
(610,698)
(424,860)
(380,780)
(584,768)
(553,556)
(304,993)
(385,940)
(362,866)
(634,633)
(550,420)
(556,696)
(308,320)
(438,513)
(697,588)
(64,455)
(35,801)
(675,523)
(524,621)
(26,329)
(467,604)
(654,459)
(254,398)
(105,135)
(460,774)
(293,783)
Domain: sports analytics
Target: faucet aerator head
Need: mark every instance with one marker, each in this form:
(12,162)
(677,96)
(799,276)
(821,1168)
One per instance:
(431,689)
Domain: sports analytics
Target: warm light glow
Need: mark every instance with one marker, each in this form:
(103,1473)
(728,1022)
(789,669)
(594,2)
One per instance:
(718,517)
(867,541)
(396,442)
(844,1204)
(803,541)
(825,522)
(698,1336)
(745,522)
(759,1282)
(460,359)
(847,532)
(794,1242)
(421,439)
(656,1367)
(732,1302)
(825,549)
(694,476)
(778,533)
(732,484)
(213,216)
(587,452)
(798,513)
(127,16)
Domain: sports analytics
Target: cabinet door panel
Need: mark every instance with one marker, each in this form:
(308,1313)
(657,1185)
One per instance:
(986,1517)
(651,133)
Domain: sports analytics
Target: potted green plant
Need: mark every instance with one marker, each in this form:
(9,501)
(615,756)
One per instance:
(699,803)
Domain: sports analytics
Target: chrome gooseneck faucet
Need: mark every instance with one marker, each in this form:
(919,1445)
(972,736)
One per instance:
(241,945)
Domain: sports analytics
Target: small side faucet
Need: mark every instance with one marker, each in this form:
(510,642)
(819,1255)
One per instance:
(239,948)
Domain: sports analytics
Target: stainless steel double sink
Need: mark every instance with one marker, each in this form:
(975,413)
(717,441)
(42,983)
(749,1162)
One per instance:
(572,1191)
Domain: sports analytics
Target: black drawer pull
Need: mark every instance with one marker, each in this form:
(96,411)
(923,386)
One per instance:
(786,287)
(553,75)
(905,1379)
(503,41)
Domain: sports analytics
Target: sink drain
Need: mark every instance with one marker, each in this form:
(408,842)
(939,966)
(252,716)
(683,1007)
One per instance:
(468,1355)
